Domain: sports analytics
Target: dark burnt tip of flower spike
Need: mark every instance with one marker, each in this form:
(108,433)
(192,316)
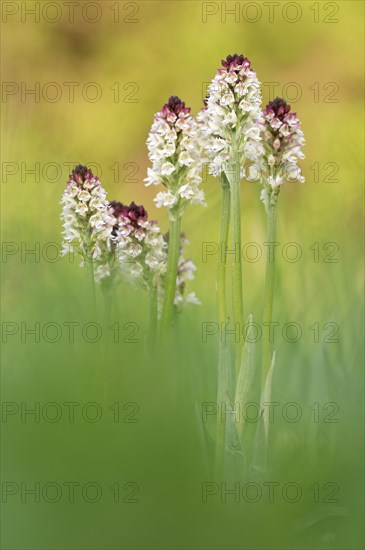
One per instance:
(174,107)
(279,107)
(235,60)
(118,208)
(175,104)
(80,174)
(137,212)
(133,212)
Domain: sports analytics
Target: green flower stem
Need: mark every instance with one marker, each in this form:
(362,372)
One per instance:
(237,293)
(91,279)
(269,287)
(153,315)
(171,271)
(223,364)
(222,260)
(106,287)
(90,265)
(237,262)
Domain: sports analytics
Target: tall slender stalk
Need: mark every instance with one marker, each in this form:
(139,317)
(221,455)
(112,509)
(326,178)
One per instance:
(108,301)
(91,279)
(90,266)
(237,293)
(171,271)
(269,288)
(153,316)
(223,360)
(106,349)
(223,240)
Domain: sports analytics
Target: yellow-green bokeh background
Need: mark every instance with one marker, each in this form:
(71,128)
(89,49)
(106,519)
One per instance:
(170,51)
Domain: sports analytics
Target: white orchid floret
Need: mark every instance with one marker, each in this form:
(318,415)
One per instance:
(165,199)
(169,149)
(134,250)
(167,168)
(275,181)
(230,120)
(82,209)
(136,269)
(254,172)
(218,144)
(199,198)
(192,298)
(152,178)
(152,261)
(265,198)
(101,272)
(185,159)
(186,191)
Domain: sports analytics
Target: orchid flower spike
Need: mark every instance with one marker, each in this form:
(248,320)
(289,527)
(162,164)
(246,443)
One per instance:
(282,143)
(174,150)
(231,116)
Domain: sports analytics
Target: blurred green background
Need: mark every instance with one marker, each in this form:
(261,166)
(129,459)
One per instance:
(137,54)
